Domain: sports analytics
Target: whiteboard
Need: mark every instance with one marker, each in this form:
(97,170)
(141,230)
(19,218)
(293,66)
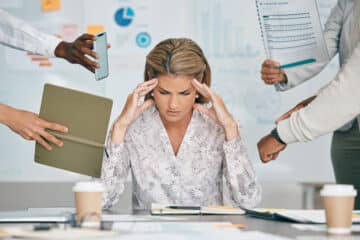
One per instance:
(227,31)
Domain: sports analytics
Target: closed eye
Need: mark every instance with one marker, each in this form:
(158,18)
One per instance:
(163,92)
(185,93)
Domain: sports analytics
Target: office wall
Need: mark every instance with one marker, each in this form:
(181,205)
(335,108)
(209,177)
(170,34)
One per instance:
(227,31)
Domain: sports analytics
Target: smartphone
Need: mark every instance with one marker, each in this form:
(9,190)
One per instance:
(100,47)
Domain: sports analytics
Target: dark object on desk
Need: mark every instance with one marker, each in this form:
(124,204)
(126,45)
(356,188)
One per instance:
(42,227)
(184,207)
(163,209)
(315,216)
(87,118)
(267,215)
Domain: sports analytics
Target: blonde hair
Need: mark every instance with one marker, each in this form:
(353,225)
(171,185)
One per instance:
(178,56)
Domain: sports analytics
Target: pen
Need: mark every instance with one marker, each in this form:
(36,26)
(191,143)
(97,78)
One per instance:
(185,207)
(294,64)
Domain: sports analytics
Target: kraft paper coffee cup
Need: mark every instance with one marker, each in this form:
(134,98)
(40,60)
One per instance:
(88,199)
(339,202)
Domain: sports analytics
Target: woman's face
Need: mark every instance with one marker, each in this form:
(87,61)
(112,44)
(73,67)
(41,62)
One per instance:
(174,97)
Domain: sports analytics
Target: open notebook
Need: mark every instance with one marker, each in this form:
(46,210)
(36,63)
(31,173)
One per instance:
(291,215)
(168,209)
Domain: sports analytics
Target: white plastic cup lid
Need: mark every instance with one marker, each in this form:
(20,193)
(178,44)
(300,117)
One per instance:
(88,187)
(338,190)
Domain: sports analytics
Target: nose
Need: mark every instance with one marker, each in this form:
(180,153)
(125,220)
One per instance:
(173,102)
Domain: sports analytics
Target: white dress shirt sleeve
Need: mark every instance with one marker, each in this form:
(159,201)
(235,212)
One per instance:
(333,26)
(335,105)
(18,34)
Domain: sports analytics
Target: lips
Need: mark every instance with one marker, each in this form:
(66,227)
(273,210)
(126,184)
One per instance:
(173,113)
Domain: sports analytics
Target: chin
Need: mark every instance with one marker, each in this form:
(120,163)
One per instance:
(169,118)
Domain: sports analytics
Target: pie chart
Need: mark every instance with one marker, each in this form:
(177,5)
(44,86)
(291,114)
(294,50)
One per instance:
(124,16)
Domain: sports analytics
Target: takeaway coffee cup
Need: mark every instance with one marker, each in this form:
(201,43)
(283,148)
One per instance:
(88,197)
(338,201)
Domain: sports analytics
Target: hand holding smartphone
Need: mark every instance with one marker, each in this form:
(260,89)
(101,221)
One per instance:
(101,50)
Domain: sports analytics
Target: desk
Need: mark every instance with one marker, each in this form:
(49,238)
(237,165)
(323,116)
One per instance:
(283,229)
(255,224)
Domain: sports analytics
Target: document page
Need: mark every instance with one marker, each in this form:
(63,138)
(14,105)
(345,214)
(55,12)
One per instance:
(292,32)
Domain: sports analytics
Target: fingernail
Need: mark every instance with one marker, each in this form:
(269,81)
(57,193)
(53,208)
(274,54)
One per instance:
(49,148)
(97,65)
(66,130)
(96,56)
(61,144)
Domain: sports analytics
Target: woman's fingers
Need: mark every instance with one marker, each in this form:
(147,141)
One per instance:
(51,138)
(41,141)
(145,105)
(52,126)
(148,83)
(208,111)
(201,88)
(202,109)
(145,87)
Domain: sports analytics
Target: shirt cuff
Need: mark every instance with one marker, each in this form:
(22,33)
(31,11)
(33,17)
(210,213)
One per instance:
(232,145)
(52,43)
(281,86)
(285,132)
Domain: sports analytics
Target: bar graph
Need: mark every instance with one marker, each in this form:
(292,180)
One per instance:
(220,32)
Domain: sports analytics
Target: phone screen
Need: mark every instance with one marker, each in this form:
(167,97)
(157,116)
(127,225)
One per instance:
(101,50)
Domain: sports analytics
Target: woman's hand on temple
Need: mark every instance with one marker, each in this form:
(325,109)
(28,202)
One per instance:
(218,111)
(132,110)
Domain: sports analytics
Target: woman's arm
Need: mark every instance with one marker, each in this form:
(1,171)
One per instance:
(238,171)
(116,165)
(30,126)
(240,176)
(115,168)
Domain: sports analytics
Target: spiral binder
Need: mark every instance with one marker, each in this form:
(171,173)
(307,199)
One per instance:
(263,36)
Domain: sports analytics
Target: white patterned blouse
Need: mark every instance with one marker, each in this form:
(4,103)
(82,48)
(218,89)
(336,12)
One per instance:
(192,177)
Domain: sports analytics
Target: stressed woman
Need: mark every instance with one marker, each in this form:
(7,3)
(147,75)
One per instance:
(177,147)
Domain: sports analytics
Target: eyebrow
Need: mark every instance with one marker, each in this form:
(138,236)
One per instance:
(186,90)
